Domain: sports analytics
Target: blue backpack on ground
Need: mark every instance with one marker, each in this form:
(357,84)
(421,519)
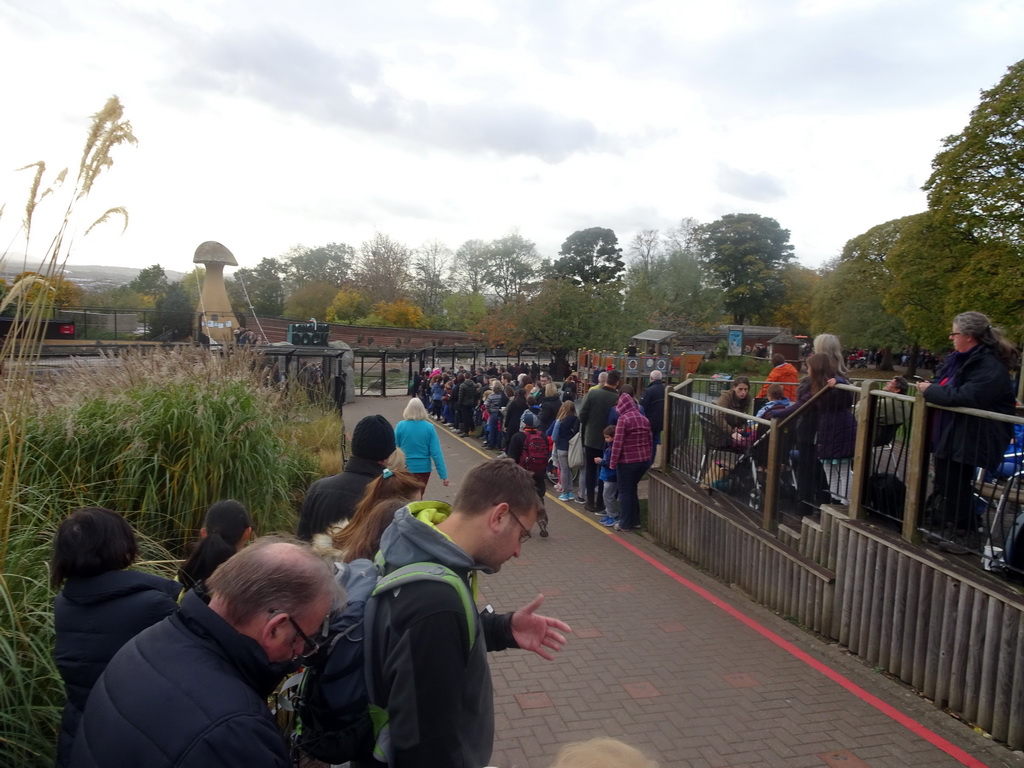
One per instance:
(336,720)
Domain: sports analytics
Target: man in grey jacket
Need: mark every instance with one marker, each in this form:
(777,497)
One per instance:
(593,419)
(429,668)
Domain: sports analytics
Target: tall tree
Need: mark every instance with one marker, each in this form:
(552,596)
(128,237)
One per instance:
(175,318)
(469,266)
(262,286)
(383,271)
(151,281)
(645,250)
(329,263)
(744,254)
(511,266)
(430,269)
(590,257)
(977,181)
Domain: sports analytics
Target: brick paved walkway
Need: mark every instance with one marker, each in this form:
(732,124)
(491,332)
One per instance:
(654,660)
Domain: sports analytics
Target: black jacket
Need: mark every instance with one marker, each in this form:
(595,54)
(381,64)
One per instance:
(981,382)
(548,411)
(189,692)
(93,617)
(335,498)
(653,403)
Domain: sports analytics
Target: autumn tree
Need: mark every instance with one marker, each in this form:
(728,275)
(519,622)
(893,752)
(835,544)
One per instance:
(744,254)
(55,291)
(397,314)
(590,257)
(347,306)
(383,270)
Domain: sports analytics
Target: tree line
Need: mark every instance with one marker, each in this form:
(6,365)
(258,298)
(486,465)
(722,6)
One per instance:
(896,285)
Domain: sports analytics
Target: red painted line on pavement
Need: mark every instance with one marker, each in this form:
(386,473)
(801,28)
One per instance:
(907,722)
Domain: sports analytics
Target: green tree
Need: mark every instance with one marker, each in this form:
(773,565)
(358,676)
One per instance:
(794,310)
(261,286)
(469,265)
(311,301)
(511,266)
(977,181)
(590,257)
(329,263)
(151,281)
(463,310)
(430,269)
(744,254)
(175,317)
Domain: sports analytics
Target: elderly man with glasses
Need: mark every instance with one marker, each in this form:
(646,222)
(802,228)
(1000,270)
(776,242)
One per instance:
(429,668)
(191,691)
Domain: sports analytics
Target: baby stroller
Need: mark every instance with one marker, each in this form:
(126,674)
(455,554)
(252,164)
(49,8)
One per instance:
(729,465)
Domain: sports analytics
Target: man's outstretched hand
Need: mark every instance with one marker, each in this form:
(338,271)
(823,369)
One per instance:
(538,633)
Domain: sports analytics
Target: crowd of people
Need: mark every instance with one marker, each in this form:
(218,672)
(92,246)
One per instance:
(975,374)
(165,672)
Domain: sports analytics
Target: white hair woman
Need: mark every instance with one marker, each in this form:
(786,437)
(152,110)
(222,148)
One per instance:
(418,440)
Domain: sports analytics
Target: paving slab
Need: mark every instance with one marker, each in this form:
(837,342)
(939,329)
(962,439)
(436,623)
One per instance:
(680,665)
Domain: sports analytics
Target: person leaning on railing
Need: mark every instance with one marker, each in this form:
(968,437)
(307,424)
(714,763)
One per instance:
(975,375)
(825,429)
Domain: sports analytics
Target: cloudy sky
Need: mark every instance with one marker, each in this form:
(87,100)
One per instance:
(263,125)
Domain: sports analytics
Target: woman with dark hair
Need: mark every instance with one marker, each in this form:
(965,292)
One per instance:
(975,375)
(102,605)
(226,529)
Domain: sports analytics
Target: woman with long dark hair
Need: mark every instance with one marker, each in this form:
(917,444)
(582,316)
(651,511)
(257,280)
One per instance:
(227,528)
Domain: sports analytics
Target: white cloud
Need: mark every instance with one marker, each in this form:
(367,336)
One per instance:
(262,125)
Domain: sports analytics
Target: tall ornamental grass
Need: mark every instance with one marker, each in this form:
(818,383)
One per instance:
(158,437)
(162,436)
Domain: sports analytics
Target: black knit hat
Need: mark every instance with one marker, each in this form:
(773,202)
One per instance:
(373,438)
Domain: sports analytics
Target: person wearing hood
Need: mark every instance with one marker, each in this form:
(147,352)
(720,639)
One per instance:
(630,458)
(429,669)
(191,691)
(331,500)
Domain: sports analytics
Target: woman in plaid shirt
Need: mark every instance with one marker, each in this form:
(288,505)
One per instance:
(631,458)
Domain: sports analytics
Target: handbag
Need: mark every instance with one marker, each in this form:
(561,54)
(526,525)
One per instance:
(576,458)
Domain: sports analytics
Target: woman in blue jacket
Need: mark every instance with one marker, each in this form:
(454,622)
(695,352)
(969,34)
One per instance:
(102,606)
(418,440)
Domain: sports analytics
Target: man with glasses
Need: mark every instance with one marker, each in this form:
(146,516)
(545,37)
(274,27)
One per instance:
(429,669)
(191,691)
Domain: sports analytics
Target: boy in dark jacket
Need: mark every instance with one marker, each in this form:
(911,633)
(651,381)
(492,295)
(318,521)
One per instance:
(530,435)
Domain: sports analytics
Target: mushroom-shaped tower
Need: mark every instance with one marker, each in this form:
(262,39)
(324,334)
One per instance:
(216,318)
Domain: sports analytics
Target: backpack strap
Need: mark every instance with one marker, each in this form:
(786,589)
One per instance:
(407,574)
